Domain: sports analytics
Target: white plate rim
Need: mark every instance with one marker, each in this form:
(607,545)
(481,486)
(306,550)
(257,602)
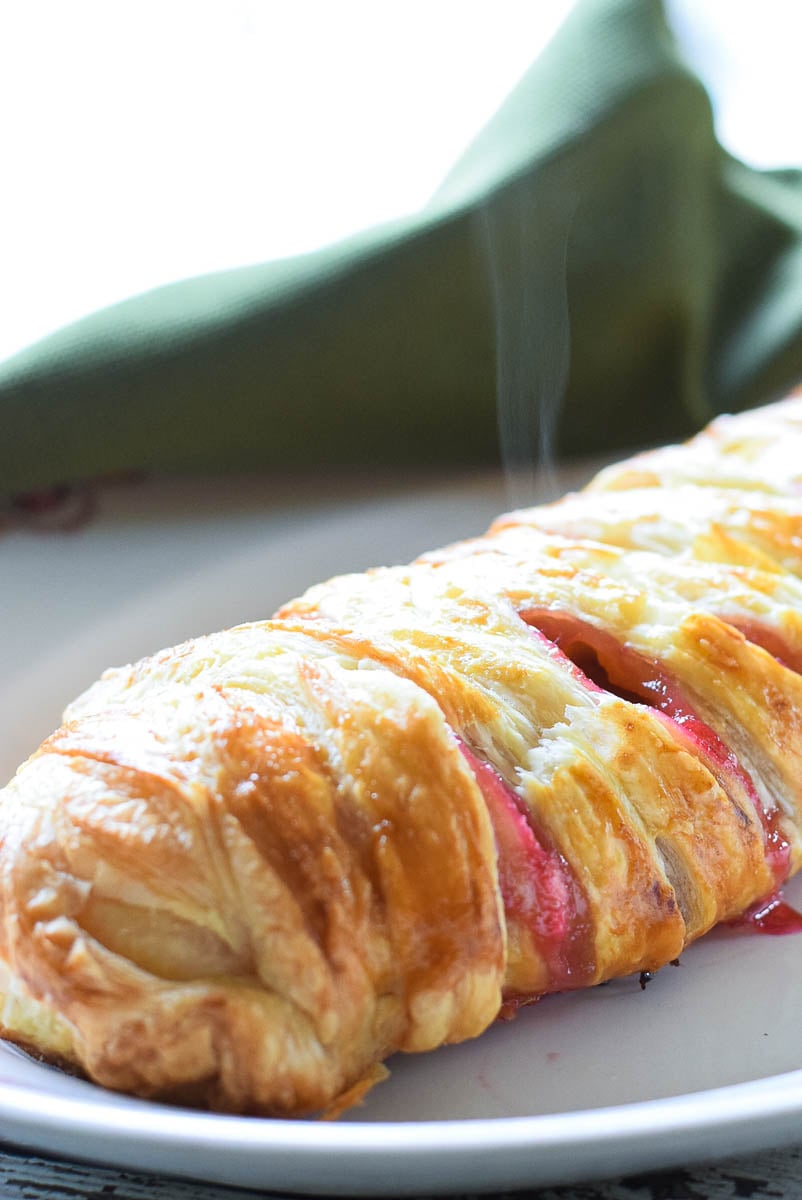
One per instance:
(437,1155)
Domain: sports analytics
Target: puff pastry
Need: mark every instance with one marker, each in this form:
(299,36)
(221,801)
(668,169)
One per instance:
(248,869)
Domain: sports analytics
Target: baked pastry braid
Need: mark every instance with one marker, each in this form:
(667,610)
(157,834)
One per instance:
(759,450)
(248,869)
(712,524)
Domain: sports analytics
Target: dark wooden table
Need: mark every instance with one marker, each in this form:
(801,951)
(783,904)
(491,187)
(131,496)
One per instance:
(773,1174)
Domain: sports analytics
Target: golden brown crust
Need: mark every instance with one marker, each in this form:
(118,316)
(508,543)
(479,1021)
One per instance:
(711,524)
(757,450)
(246,870)
(229,914)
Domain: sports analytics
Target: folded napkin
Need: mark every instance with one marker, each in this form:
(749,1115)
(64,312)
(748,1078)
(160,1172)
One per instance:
(595,254)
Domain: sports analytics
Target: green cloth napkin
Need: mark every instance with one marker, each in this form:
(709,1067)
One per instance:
(595,253)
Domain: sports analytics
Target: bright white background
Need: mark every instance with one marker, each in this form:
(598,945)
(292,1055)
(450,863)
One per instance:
(149,141)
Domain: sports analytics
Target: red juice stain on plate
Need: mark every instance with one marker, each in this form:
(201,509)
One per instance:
(484,1082)
(772,915)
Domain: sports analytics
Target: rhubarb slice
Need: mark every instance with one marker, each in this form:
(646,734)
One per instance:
(624,672)
(540,894)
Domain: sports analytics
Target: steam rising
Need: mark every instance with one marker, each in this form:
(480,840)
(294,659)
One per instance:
(526,250)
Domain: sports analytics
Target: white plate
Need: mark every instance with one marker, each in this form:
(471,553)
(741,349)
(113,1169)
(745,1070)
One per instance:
(704,1063)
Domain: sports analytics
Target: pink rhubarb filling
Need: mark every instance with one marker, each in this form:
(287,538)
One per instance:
(771,641)
(624,672)
(538,888)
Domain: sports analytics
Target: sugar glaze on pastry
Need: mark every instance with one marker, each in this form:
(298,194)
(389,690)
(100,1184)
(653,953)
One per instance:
(248,869)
